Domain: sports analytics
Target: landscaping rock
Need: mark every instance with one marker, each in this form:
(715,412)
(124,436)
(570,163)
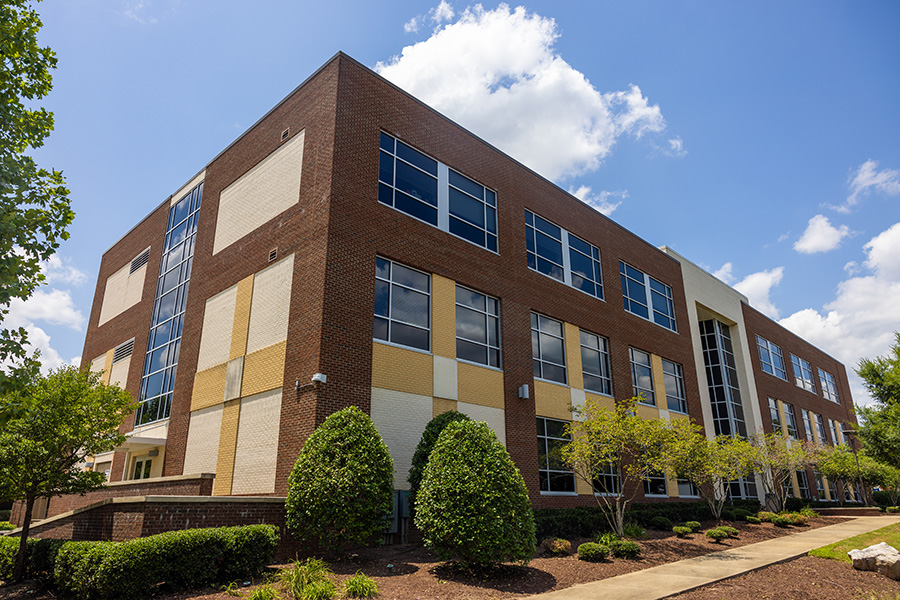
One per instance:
(889,565)
(866,559)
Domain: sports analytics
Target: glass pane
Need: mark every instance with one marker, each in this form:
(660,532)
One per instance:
(581,264)
(551,326)
(490,197)
(410,278)
(417,158)
(472,352)
(416,183)
(596,384)
(470,325)
(554,373)
(491,214)
(382,268)
(178,235)
(409,306)
(548,268)
(466,231)
(466,184)
(180,210)
(466,208)
(386,168)
(409,336)
(469,298)
(385,194)
(387,142)
(547,227)
(556,429)
(549,248)
(417,209)
(579,245)
(590,361)
(382,297)
(381,329)
(166,306)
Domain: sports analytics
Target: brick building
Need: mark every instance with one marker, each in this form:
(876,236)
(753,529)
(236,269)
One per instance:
(240,310)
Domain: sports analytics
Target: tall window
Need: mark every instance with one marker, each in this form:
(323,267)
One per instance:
(829,386)
(803,483)
(655,484)
(402,305)
(722,379)
(803,375)
(807,425)
(790,421)
(820,429)
(164,340)
(426,189)
(820,484)
(647,297)
(548,348)
(554,475)
(477,327)
(744,488)
(642,376)
(555,252)
(774,415)
(674,379)
(595,363)
(835,438)
(770,358)
(846,431)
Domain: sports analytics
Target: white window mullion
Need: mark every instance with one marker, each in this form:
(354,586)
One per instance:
(567,267)
(443,196)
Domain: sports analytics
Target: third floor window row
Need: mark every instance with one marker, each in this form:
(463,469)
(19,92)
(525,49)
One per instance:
(555,252)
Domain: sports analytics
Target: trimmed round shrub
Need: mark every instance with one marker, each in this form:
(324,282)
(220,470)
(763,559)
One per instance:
(340,492)
(607,538)
(716,534)
(473,505)
(625,549)
(6,526)
(780,521)
(592,552)
(660,523)
(891,509)
(741,514)
(694,525)
(810,513)
(423,451)
(754,520)
(556,546)
(731,531)
(681,531)
(796,519)
(728,515)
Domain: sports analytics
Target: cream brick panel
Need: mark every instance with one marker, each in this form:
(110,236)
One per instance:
(583,487)
(479,385)
(122,292)
(442,405)
(551,400)
(203,440)
(270,305)
(402,370)
(98,364)
(264,370)
(659,380)
(443,312)
(577,398)
(495,417)
(209,387)
(118,375)
(445,377)
(400,418)
(218,320)
(264,192)
(573,356)
(257,444)
(154,430)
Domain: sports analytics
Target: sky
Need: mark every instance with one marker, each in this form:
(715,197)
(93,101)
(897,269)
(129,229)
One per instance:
(759,139)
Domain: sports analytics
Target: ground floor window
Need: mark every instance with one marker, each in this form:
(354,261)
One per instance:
(554,475)
(655,485)
(142,468)
(607,480)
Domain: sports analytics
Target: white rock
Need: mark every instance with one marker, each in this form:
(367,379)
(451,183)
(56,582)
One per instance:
(866,559)
(889,565)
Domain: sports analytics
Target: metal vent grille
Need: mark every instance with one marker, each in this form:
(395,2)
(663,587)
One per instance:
(139,261)
(273,254)
(285,134)
(123,351)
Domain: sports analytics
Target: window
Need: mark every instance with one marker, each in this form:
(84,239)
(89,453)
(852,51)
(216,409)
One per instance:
(142,468)
(722,379)
(607,481)
(820,429)
(807,424)
(744,488)
(803,376)
(788,486)
(430,191)
(775,416)
(642,376)
(804,485)
(644,295)
(846,432)
(548,348)
(674,380)
(655,485)
(477,327)
(770,358)
(686,489)
(835,439)
(829,386)
(555,476)
(790,421)
(820,484)
(595,363)
(545,247)
(402,305)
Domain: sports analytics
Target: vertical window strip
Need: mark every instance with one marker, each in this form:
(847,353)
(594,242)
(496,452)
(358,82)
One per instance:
(820,429)
(807,425)
(803,375)
(790,421)
(721,375)
(676,399)
(553,474)
(595,363)
(548,348)
(642,376)
(829,386)
(773,414)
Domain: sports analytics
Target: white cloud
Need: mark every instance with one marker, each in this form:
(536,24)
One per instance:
(884,253)
(443,12)
(38,339)
(868,178)
(51,306)
(496,72)
(676,147)
(412,26)
(61,270)
(603,202)
(821,236)
(137,10)
(725,273)
(758,287)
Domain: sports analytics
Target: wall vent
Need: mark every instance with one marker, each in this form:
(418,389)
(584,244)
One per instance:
(273,254)
(123,351)
(139,261)
(285,134)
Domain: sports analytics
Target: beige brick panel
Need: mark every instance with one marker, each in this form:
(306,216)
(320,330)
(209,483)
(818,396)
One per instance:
(402,370)
(209,387)
(98,364)
(118,375)
(445,378)
(123,290)
(603,401)
(659,381)
(442,405)
(495,417)
(552,400)
(241,325)
(231,414)
(270,304)
(480,385)
(400,418)
(264,370)
(264,192)
(573,356)
(443,316)
(218,320)
(257,444)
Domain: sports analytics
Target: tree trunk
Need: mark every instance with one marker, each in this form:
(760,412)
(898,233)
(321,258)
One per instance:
(19,572)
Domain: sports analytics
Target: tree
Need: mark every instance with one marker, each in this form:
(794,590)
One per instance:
(473,504)
(708,463)
(879,427)
(777,461)
(423,450)
(35,209)
(841,466)
(42,451)
(615,451)
(341,489)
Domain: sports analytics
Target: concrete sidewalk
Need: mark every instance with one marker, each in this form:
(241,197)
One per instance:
(673,578)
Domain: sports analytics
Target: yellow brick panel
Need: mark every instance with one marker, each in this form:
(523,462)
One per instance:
(231,415)
(603,401)
(573,356)
(241,318)
(659,381)
(647,412)
(783,431)
(402,370)
(443,315)
(481,386)
(672,486)
(442,405)
(552,401)
(583,487)
(107,366)
(264,370)
(209,388)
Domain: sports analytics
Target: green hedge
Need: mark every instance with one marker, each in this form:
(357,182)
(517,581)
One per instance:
(5,514)
(39,557)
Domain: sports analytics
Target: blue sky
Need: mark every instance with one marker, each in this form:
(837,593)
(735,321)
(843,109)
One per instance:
(759,139)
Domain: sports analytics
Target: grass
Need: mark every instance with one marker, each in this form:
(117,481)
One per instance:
(838,550)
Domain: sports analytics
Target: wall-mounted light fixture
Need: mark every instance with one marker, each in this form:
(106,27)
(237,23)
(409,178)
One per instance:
(320,378)
(523,392)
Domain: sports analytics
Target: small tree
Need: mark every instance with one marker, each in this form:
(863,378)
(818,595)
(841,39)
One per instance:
(839,465)
(423,451)
(341,489)
(777,460)
(42,451)
(615,451)
(879,427)
(890,482)
(473,505)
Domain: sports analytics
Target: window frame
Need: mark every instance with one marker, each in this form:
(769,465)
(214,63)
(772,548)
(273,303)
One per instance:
(610,473)
(829,386)
(790,421)
(772,349)
(565,241)
(651,401)
(389,318)
(487,316)
(545,438)
(678,375)
(602,351)
(657,477)
(803,367)
(820,429)
(807,425)
(775,416)
(646,283)
(536,318)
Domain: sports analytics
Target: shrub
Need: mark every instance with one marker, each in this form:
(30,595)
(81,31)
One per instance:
(341,489)
(880,497)
(765,516)
(796,519)
(808,512)
(319,590)
(681,531)
(780,521)
(592,552)
(300,575)
(360,586)
(556,546)
(892,509)
(625,549)
(39,557)
(661,523)
(6,526)
(731,531)
(607,538)
(694,525)
(473,505)
(642,513)
(754,520)
(5,513)
(716,534)
(264,592)
(741,514)
(635,531)
(423,451)
(568,523)
(728,515)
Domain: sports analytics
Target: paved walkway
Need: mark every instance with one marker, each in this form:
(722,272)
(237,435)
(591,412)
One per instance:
(673,578)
